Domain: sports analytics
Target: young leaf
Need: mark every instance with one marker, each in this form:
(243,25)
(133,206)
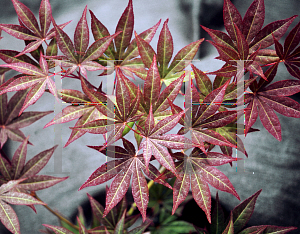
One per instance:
(242,213)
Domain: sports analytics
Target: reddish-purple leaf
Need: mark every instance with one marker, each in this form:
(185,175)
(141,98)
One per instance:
(251,114)
(220,38)
(210,104)
(104,173)
(9,185)
(5,167)
(163,157)
(31,47)
(18,160)
(269,119)
(39,182)
(164,48)
(18,32)
(293,69)
(185,54)
(122,97)
(292,40)
(242,44)
(226,54)
(25,68)
(266,56)
(231,16)
(58,230)
(145,50)
(152,85)
(201,135)
(278,48)
(264,37)
(64,42)
(26,16)
(283,105)
(9,218)
(181,188)
(282,88)
(140,189)
(99,126)
(81,35)
(98,47)
(173,141)
(201,193)
(118,188)
(242,213)
(34,94)
(253,19)
(219,119)
(17,198)
(37,163)
(68,114)
(227,71)
(125,25)
(216,178)
(45,13)
(166,124)
(203,82)
(132,50)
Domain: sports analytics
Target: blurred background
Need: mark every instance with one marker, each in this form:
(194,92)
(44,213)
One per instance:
(272,166)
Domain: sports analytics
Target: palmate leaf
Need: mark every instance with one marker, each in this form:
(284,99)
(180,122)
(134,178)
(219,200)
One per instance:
(82,108)
(239,217)
(268,97)
(7,215)
(164,53)
(198,170)
(126,165)
(18,169)
(29,29)
(247,39)
(152,96)
(79,55)
(34,77)
(125,51)
(152,133)
(204,117)
(288,53)
(10,121)
(126,111)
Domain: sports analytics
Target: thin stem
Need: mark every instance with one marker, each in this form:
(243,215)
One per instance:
(150,183)
(57,214)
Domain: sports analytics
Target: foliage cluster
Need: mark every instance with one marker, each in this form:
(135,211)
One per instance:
(187,158)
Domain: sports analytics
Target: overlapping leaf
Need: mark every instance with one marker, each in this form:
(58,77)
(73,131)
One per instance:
(29,29)
(168,73)
(7,215)
(81,107)
(123,52)
(239,217)
(35,77)
(79,54)
(247,39)
(18,169)
(266,97)
(10,122)
(290,53)
(126,111)
(127,164)
(197,170)
(204,115)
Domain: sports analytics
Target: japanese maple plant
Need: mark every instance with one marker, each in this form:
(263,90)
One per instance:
(208,116)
